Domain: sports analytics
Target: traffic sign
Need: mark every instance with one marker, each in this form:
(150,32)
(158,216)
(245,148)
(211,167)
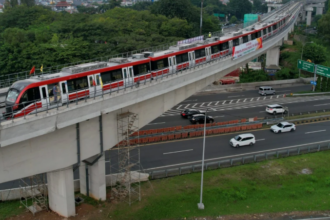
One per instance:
(323,71)
(313,83)
(309,67)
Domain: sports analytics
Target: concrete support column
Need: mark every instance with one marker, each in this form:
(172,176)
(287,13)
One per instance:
(286,37)
(269,9)
(309,15)
(319,11)
(304,15)
(96,179)
(61,192)
(273,56)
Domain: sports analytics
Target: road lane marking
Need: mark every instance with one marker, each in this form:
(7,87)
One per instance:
(283,90)
(209,104)
(237,101)
(244,100)
(265,97)
(231,101)
(271,97)
(238,155)
(235,96)
(194,105)
(258,99)
(158,123)
(277,96)
(251,100)
(216,103)
(311,132)
(175,152)
(218,116)
(187,106)
(323,104)
(179,107)
(202,104)
(224,102)
(260,139)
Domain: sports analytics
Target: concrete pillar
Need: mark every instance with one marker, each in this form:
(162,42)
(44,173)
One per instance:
(61,192)
(319,11)
(269,9)
(304,15)
(273,56)
(309,15)
(286,37)
(96,179)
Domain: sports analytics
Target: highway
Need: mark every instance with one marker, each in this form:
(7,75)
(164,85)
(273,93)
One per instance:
(246,104)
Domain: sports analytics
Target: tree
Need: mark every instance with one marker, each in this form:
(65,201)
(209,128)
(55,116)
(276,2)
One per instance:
(28,3)
(140,6)
(239,8)
(256,5)
(324,84)
(315,52)
(324,26)
(233,19)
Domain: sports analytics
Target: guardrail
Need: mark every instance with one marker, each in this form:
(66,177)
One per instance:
(235,161)
(310,94)
(102,93)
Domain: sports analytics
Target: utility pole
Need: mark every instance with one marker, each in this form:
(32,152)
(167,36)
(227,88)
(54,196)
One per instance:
(200,27)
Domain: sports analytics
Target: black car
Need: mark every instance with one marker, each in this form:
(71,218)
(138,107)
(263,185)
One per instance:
(199,119)
(188,113)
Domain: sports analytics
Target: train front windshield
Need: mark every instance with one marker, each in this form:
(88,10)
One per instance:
(12,95)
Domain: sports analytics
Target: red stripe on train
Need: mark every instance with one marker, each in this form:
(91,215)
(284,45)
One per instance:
(28,110)
(113,85)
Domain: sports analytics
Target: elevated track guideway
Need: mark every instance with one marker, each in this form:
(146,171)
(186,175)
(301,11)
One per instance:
(54,121)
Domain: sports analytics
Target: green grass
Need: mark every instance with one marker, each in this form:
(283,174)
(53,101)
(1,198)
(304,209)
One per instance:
(267,187)
(10,208)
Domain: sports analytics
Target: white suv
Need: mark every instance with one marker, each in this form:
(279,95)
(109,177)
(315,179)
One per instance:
(243,139)
(274,109)
(283,127)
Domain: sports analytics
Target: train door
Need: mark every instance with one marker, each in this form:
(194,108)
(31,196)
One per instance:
(208,53)
(241,40)
(191,56)
(249,37)
(172,64)
(44,96)
(64,92)
(94,84)
(230,46)
(128,76)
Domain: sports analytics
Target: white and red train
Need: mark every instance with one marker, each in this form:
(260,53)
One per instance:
(85,80)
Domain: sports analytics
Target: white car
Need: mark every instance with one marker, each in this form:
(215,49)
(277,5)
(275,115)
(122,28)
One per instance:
(283,127)
(242,140)
(275,109)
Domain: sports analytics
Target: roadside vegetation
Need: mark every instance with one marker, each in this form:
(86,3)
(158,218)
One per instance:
(267,187)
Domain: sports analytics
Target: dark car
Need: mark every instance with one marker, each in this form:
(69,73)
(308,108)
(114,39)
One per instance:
(188,113)
(199,119)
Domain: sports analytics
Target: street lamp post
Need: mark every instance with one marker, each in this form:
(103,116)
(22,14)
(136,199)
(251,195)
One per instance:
(302,52)
(200,204)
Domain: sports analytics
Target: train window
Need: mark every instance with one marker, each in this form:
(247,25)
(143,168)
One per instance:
(253,36)
(141,69)
(274,27)
(116,75)
(264,31)
(224,46)
(77,84)
(108,77)
(182,58)
(30,95)
(200,53)
(98,80)
(12,95)
(245,39)
(90,80)
(63,88)
(215,49)
(269,29)
(130,72)
(125,74)
(258,34)
(44,93)
(159,64)
(236,42)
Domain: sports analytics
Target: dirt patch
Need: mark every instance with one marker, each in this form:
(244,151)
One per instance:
(83,212)
(289,50)
(306,171)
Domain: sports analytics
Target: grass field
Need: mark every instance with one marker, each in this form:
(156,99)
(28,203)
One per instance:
(271,186)
(266,187)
